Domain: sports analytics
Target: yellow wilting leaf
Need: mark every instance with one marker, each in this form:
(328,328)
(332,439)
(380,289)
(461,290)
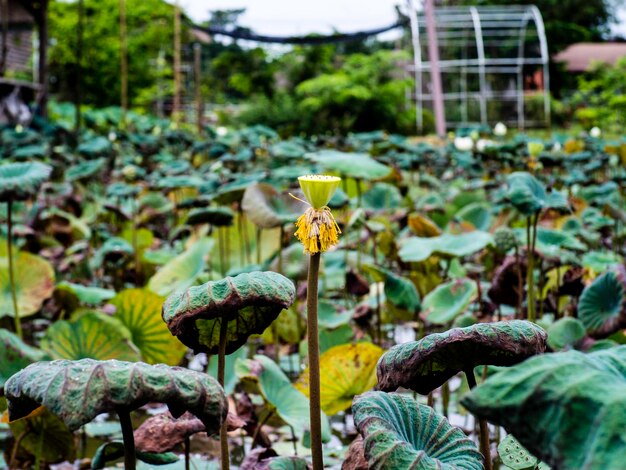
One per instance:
(346,371)
(422,226)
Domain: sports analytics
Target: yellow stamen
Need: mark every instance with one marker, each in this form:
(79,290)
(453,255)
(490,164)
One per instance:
(317,230)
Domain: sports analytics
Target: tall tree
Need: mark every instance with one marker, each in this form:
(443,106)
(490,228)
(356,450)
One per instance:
(150,29)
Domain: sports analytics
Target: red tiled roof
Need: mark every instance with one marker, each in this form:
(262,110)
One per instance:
(580,56)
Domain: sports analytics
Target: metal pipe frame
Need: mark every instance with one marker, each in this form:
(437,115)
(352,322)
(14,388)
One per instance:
(479,27)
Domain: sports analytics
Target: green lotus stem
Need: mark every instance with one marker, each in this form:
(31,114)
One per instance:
(16,311)
(227,247)
(530,281)
(485,448)
(128,437)
(314,363)
(280,249)
(258,246)
(445,398)
(220,238)
(379,335)
(242,243)
(531,239)
(359,195)
(520,283)
(221,366)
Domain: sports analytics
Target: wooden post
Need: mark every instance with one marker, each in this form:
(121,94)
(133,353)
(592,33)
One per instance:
(123,62)
(435,72)
(43,57)
(177,104)
(197,62)
(5,36)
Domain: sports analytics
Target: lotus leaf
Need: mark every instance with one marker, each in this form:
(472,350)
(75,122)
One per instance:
(96,147)
(569,408)
(477,214)
(289,403)
(416,249)
(45,435)
(530,196)
(565,333)
(283,463)
(139,310)
(422,226)
(601,305)
(181,272)
(447,301)
(88,295)
(85,170)
(91,335)
(399,432)
(382,197)
(359,166)
(600,261)
(267,208)
(15,355)
(78,391)
(19,181)
(249,303)
(428,363)
(114,450)
(34,283)
(346,371)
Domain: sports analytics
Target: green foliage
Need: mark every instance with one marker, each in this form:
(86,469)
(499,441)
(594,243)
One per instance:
(601,97)
(150,32)
(567,409)
(361,95)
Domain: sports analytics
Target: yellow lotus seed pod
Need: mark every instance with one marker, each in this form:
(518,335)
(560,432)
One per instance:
(318,189)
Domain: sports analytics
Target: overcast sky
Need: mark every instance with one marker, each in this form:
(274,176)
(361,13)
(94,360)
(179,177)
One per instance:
(290,17)
(299,17)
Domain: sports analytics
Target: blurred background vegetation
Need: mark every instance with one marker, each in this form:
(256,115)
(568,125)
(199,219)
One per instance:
(354,86)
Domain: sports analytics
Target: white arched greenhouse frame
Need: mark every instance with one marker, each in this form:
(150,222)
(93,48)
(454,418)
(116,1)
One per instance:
(479,46)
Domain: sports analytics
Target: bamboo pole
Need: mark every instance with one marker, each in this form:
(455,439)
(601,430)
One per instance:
(123,61)
(177,60)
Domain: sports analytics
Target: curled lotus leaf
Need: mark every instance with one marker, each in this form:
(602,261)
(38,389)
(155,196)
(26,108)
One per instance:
(399,432)
(428,363)
(249,302)
(601,306)
(15,354)
(19,181)
(529,196)
(216,216)
(568,408)
(268,208)
(78,391)
(162,433)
